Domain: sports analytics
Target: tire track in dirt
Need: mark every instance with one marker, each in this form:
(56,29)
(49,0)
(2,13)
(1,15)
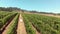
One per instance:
(21,27)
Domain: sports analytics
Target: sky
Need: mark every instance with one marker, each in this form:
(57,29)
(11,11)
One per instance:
(38,5)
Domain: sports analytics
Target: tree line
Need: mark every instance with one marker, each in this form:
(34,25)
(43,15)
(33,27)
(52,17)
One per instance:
(9,8)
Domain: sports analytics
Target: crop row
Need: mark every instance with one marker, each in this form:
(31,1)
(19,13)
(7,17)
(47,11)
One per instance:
(28,26)
(44,24)
(13,25)
(5,19)
(4,14)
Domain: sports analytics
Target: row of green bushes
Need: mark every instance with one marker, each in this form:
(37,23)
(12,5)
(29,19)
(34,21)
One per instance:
(3,14)
(44,24)
(13,25)
(28,26)
(5,19)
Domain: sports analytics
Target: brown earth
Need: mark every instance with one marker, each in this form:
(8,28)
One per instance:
(21,27)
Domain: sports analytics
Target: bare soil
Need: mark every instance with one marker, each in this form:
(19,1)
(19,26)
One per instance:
(21,27)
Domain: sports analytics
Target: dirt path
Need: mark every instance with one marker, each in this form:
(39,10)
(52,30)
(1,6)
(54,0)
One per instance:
(21,27)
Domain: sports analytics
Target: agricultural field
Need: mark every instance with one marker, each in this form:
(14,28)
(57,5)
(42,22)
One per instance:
(5,19)
(24,23)
(43,24)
